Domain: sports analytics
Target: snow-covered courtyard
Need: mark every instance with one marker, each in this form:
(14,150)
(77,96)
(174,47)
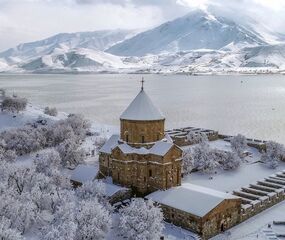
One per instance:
(250,171)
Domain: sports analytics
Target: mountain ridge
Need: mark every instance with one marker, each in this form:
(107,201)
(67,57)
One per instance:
(198,41)
(196,30)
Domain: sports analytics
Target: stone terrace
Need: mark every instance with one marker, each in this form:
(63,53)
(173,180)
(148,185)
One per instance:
(261,195)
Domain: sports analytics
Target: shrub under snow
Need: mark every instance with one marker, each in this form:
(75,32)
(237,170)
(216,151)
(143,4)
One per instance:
(50,111)
(13,104)
(6,155)
(274,153)
(141,220)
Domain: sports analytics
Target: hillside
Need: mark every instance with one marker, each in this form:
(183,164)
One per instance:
(97,40)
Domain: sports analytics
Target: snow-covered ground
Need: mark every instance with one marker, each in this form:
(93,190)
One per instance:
(30,115)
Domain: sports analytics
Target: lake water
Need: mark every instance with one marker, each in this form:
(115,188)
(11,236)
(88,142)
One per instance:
(251,105)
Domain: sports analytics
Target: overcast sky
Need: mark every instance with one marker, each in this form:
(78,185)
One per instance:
(30,20)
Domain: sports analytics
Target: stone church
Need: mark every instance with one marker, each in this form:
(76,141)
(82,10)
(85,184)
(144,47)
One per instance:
(142,157)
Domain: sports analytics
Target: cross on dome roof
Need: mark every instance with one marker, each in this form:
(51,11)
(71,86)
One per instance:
(142,108)
(142,81)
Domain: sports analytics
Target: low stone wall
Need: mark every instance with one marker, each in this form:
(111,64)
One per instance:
(250,210)
(262,195)
(179,136)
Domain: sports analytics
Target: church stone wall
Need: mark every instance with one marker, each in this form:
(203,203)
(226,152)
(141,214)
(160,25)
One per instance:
(105,164)
(224,216)
(147,173)
(138,132)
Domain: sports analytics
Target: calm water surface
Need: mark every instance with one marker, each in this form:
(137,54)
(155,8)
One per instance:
(251,105)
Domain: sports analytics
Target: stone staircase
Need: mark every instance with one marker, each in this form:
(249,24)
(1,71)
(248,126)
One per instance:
(262,194)
(270,234)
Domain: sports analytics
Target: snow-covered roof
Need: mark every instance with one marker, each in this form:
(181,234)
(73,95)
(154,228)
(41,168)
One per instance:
(159,148)
(83,173)
(191,198)
(111,189)
(127,149)
(142,109)
(110,144)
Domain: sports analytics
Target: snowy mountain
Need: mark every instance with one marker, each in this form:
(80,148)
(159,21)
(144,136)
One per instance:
(73,60)
(197,30)
(199,42)
(98,40)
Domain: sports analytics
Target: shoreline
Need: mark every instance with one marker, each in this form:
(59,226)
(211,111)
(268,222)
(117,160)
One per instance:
(143,73)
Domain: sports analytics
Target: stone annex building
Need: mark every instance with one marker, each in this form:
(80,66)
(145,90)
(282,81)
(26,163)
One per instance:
(142,157)
(146,160)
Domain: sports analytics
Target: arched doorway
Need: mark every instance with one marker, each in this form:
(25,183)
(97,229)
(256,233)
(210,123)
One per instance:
(222,227)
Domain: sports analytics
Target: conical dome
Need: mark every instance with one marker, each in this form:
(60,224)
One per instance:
(142,109)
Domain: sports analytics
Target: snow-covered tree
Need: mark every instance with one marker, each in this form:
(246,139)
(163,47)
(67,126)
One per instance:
(273,154)
(64,231)
(197,137)
(47,161)
(13,104)
(58,132)
(99,142)
(92,189)
(227,160)
(203,158)
(79,125)
(188,163)
(70,152)
(141,220)
(239,144)
(6,232)
(52,111)
(18,209)
(23,140)
(63,225)
(93,220)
